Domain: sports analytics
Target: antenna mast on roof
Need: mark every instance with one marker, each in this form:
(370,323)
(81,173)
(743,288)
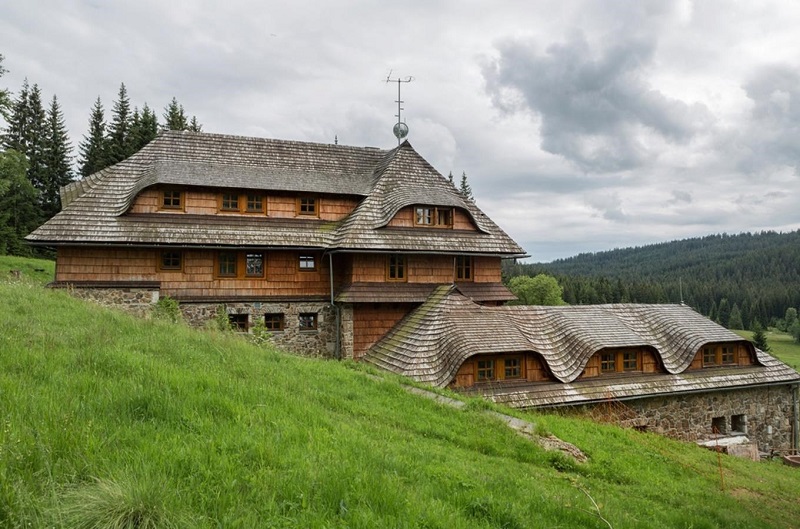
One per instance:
(400,129)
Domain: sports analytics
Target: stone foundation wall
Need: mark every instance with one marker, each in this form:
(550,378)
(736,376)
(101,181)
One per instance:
(346,324)
(137,301)
(318,342)
(765,415)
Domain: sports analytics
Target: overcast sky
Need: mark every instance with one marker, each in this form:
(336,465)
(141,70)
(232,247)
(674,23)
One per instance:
(582,125)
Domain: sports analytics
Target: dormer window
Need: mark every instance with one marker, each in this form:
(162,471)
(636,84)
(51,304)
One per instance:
(307,206)
(234,202)
(719,355)
(620,361)
(171,199)
(229,202)
(437,217)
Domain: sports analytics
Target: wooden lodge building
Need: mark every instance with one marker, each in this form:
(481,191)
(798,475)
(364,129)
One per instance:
(371,254)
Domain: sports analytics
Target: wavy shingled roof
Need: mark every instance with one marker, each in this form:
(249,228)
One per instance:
(95,208)
(431,343)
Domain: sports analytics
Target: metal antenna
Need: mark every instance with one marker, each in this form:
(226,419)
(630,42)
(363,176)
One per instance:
(400,129)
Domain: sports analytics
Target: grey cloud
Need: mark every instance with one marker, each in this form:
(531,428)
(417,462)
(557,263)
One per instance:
(773,133)
(609,205)
(595,104)
(680,197)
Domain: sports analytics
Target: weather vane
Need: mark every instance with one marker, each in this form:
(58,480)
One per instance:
(400,128)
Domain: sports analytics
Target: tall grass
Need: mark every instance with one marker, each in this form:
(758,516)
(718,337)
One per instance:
(108,421)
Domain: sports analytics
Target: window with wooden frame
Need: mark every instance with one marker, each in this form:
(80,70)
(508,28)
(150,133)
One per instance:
(485,370)
(274,322)
(512,367)
(235,202)
(227,264)
(233,264)
(308,206)
(307,262)
(254,264)
(229,202)
(463,268)
(308,321)
(620,361)
(171,199)
(396,268)
(239,322)
(170,261)
(433,216)
(444,217)
(255,203)
(719,355)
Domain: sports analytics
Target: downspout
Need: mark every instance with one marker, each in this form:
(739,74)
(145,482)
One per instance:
(796,418)
(337,350)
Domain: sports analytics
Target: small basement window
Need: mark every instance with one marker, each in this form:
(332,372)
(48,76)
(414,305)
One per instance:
(718,426)
(274,322)
(739,423)
(308,321)
(239,322)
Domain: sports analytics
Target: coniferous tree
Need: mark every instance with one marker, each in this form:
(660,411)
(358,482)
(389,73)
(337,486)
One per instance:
(5,95)
(36,147)
(450,178)
(759,337)
(93,147)
(57,156)
(723,312)
(18,212)
(16,134)
(465,187)
(735,319)
(194,126)
(118,142)
(144,128)
(174,116)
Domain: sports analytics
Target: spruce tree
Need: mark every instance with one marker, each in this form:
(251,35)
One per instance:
(759,337)
(723,312)
(37,141)
(5,95)
(18,212)
(16,134)
(93,147)
(450,179)
(174,116)
(735,320)
(194,126)
(57,156)
(466,190)
(118,143)
(144,128)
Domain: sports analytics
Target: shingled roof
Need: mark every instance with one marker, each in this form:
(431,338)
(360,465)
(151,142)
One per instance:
(431,343)
(95,209)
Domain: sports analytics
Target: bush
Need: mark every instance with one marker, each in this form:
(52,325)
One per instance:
(167,308)
(260,336)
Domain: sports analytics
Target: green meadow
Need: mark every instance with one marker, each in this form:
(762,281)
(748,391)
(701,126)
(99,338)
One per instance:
(107,421)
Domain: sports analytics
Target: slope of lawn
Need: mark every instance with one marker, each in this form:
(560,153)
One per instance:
(110,421)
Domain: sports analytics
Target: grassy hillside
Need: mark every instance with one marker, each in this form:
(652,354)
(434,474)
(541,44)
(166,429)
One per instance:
(108,421)
(781,345)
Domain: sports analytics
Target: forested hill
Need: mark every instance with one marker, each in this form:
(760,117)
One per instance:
(760,273)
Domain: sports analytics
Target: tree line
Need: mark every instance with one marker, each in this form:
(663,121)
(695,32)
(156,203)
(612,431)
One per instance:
(36,154)
(736,280)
